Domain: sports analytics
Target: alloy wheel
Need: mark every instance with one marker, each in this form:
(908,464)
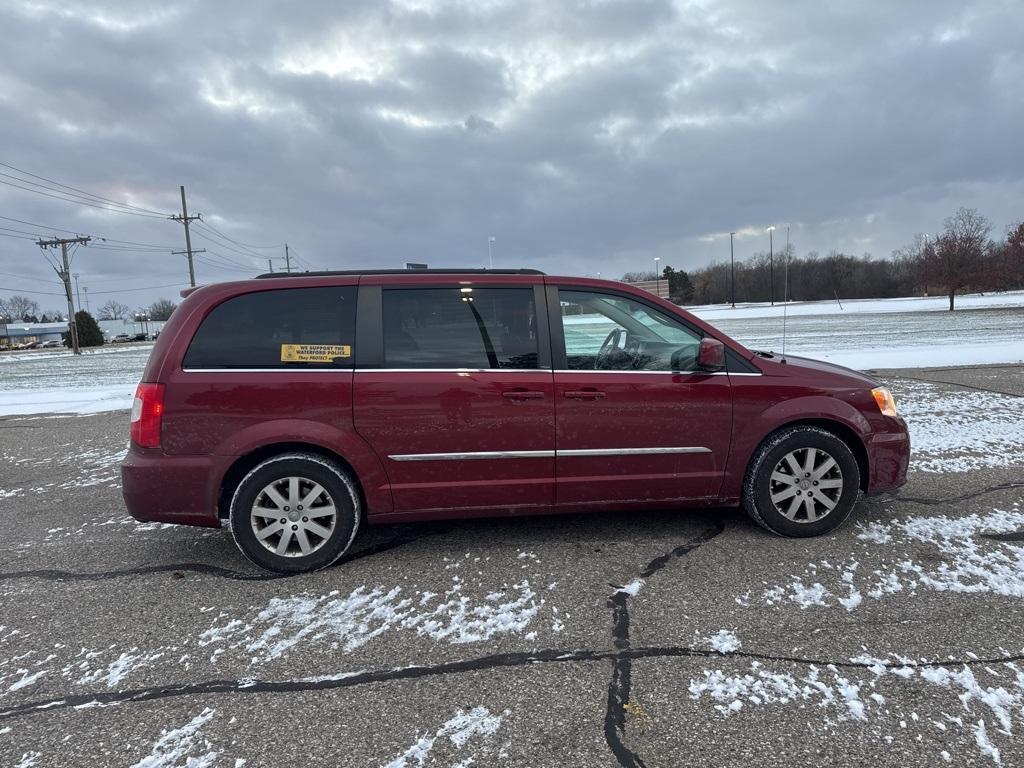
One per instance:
(806,485)
(293,516)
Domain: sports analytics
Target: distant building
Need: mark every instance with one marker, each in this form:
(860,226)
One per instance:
(13,334)
(24,333)
(657,287)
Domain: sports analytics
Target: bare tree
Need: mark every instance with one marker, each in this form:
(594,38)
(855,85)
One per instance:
(114,310)
(636,277)
(161,309)
(957,257)
(21,308)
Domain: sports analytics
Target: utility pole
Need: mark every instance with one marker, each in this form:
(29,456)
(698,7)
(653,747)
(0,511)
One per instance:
(65,276)
(490,252)
(270,264)
(86,292)
(186,220)
(732,272)
(771,264)
(287,259)
(78,294)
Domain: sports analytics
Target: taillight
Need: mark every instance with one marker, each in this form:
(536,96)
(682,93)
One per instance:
(147,411)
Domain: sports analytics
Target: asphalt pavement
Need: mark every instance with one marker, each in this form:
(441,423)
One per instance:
(656,639)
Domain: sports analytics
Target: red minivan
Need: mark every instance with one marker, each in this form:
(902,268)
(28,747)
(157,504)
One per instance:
(301,407)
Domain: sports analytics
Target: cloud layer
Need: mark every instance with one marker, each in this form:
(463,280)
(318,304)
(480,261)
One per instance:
(585,136)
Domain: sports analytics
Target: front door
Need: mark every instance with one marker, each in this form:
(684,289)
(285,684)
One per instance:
(462,410)
(637,423)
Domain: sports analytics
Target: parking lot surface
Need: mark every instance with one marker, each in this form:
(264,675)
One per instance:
(659,639)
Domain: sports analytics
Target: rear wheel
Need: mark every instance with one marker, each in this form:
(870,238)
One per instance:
(295,512)
(802,481)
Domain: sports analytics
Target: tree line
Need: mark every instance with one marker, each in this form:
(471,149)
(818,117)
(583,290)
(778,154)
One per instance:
(961,258)
(26,310)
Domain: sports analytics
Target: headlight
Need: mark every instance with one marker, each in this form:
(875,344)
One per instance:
(884,400)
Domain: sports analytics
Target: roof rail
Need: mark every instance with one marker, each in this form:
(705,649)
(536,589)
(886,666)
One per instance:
(331,273)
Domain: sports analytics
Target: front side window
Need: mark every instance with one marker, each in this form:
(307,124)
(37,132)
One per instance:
(460,327)
(607,332)
(288,328)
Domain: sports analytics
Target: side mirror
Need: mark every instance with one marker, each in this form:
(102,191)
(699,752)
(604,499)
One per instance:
(711,356)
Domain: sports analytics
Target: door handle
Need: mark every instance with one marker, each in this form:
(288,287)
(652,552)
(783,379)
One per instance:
(523,394)
(584,394)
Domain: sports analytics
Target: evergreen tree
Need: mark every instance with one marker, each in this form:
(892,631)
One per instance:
(89,333)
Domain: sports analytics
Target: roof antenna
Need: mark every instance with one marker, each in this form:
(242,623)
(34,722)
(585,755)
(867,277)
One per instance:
(785,299)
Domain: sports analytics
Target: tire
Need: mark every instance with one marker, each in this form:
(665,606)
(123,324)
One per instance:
(266,510)
(790,497)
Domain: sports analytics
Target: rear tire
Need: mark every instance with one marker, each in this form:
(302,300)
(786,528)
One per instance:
(295,512)
(802,481)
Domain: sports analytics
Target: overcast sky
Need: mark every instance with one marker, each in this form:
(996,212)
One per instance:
(584,136)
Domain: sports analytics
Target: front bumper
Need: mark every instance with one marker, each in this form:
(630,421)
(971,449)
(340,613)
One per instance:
(888,457)
(172,489)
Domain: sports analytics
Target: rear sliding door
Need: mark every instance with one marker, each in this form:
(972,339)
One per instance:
(459,402)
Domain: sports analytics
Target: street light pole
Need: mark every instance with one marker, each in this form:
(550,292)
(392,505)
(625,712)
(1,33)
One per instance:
(771,265)
(657,277)
(732,272)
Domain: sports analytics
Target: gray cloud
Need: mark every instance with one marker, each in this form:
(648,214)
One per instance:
(585,136)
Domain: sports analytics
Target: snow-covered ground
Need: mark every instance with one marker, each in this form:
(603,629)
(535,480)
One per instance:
(1003,300)
(58,382)
(884,333)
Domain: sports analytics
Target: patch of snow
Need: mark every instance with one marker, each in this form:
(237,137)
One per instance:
(26,679)
(724,641)
(632,589)
(174,746)
(349,622)
(478,723)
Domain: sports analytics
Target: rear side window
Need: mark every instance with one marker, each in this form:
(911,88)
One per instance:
(460,327)
(288,328)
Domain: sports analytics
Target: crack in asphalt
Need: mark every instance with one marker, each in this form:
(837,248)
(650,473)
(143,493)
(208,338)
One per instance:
(621,683)
(210,570)
(890,496)
(953,384)
(480,663)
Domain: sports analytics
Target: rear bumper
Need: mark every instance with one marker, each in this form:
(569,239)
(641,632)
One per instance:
(172,489)
(888,457)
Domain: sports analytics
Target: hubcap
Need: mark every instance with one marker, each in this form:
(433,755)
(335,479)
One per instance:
(293,516)
(806,485)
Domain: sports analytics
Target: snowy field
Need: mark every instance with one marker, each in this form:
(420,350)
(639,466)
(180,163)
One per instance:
(884,333)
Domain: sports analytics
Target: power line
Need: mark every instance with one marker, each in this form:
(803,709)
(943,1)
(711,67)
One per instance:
(216,231)
(91,292)
(227,245)
(74,189)
(80,202)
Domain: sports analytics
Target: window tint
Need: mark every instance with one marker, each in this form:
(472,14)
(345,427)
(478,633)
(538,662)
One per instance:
(612,333)
(460,328)
(290,328)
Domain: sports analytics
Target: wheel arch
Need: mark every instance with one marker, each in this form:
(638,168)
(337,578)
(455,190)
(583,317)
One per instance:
(844,432)
(246,463)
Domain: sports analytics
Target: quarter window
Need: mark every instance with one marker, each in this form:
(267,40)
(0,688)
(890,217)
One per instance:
(288,328)
(460,327)
(607,332)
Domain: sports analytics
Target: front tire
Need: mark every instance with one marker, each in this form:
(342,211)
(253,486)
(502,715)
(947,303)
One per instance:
(802,481)
(295,512)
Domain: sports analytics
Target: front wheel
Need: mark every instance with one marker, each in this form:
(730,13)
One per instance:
(295,512)
(802,481)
